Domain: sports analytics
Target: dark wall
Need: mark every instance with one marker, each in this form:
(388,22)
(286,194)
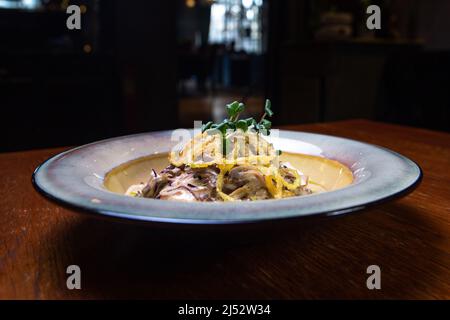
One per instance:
(146,54)
(398,74)
(53,93)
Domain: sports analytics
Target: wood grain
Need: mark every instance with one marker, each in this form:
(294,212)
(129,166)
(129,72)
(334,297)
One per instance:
(408,238)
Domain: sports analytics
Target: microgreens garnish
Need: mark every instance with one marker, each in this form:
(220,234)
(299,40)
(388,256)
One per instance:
(233,122)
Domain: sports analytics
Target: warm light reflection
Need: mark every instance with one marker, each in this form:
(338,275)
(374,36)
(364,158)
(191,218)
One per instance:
(87,48)
(190,3)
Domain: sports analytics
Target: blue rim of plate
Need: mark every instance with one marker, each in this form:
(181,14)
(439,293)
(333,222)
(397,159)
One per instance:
(161,211)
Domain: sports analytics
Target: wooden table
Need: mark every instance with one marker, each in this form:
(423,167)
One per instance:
(409,239)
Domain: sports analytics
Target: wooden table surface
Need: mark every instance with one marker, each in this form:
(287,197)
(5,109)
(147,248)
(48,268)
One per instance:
(408,238)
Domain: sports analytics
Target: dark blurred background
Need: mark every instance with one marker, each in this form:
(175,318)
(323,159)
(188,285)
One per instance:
(149,65)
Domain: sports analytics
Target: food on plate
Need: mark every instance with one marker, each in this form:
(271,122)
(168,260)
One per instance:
(227,161)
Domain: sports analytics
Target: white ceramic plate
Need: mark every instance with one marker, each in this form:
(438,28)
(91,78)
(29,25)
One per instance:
(76,178)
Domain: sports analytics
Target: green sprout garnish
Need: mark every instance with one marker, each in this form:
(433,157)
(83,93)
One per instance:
(233,122)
